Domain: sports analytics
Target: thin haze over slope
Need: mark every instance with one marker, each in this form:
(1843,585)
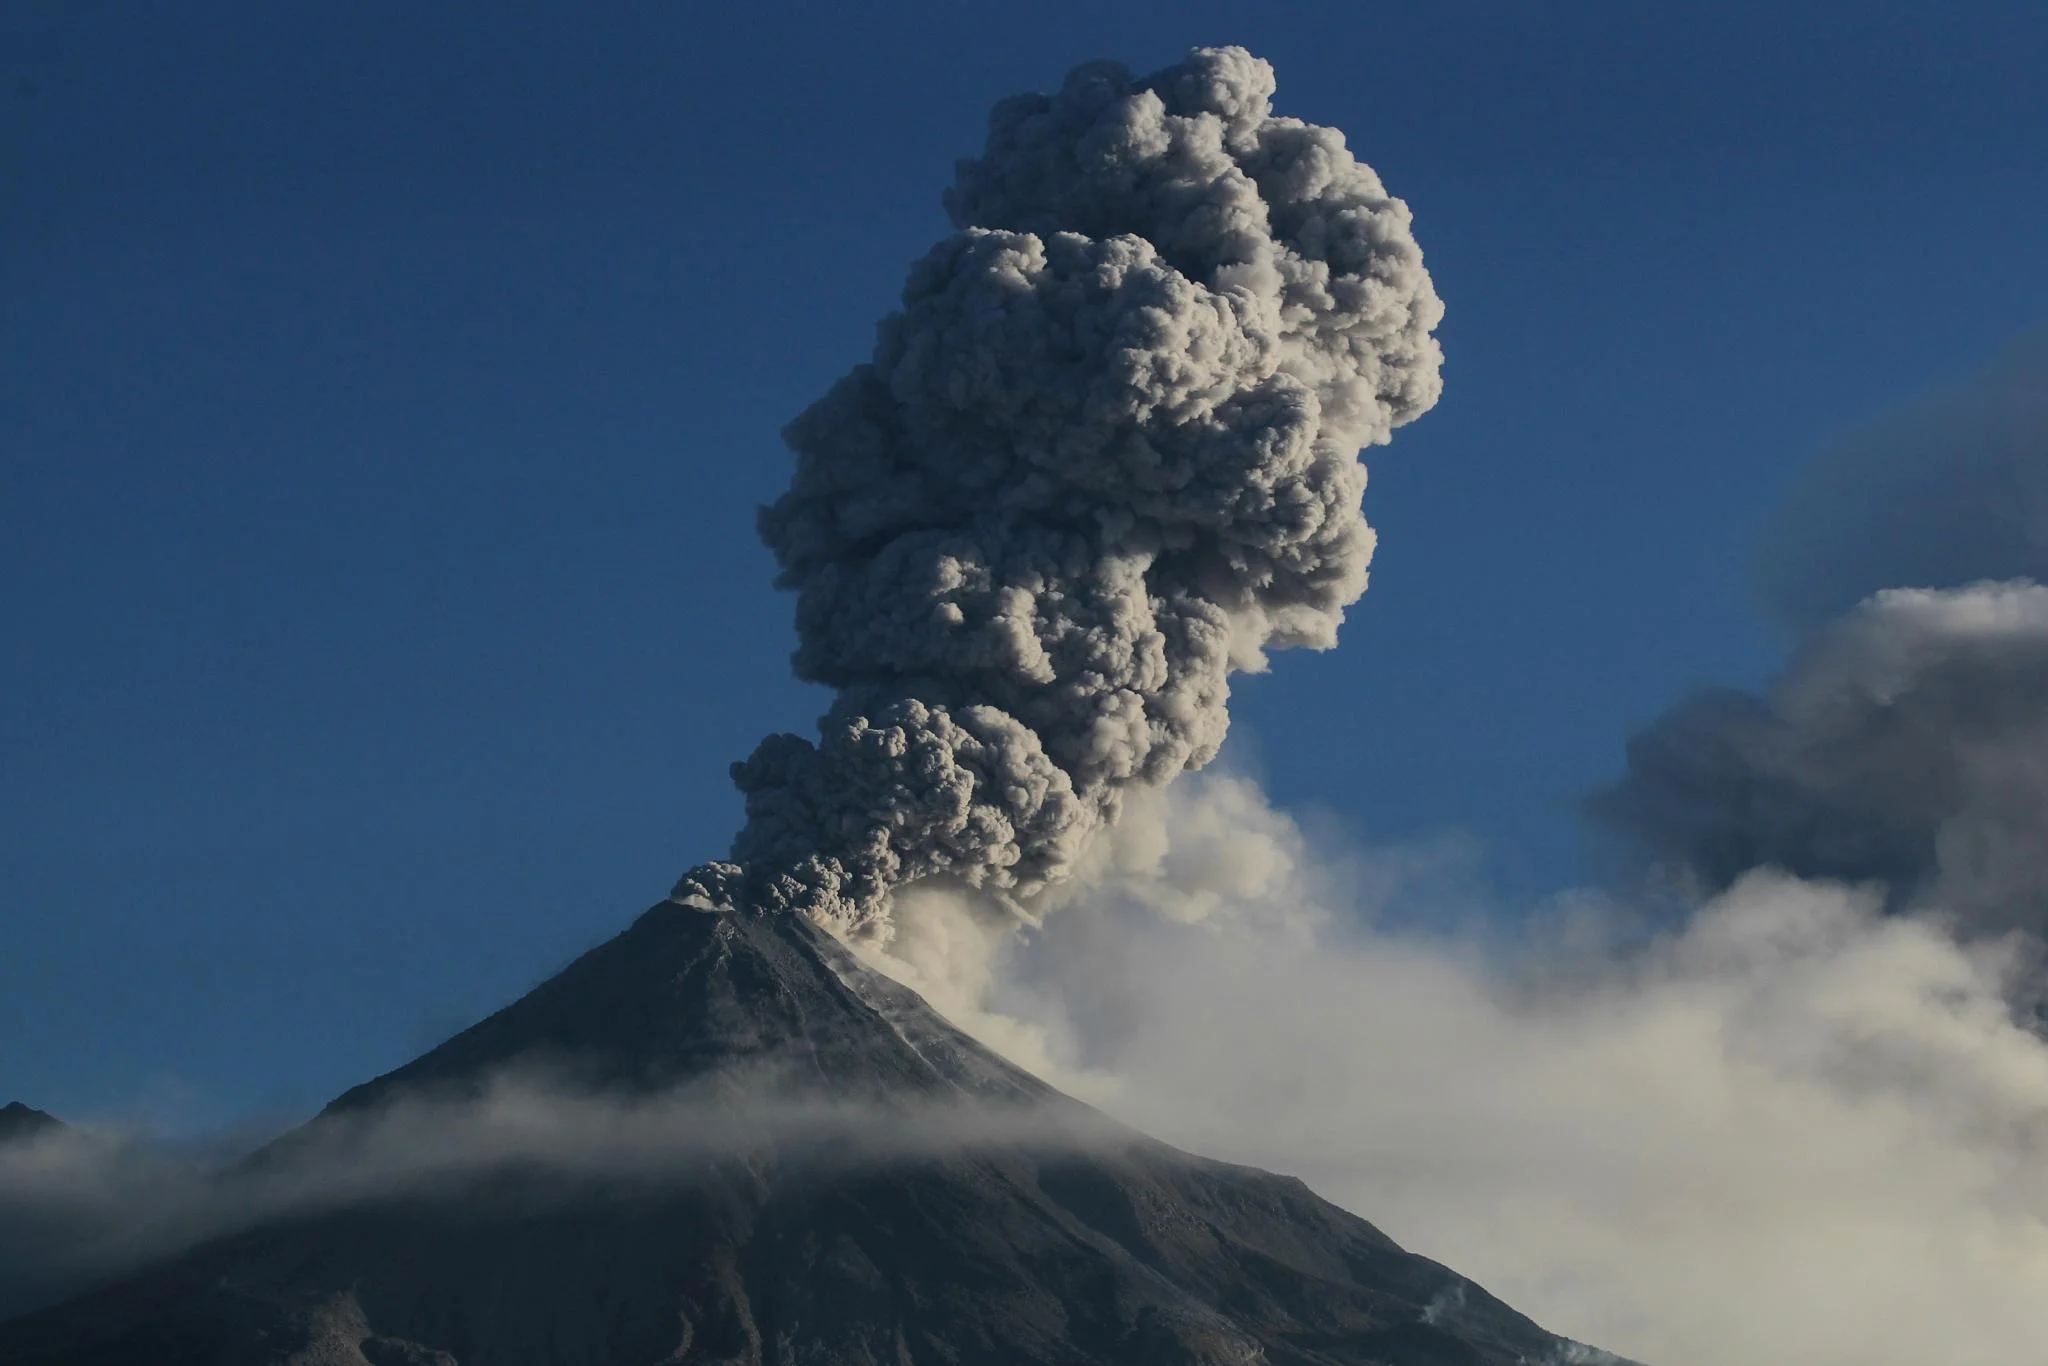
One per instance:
(1104,456)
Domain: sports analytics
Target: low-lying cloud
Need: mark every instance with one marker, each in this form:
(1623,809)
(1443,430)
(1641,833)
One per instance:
(1796,1129)
(80,1205)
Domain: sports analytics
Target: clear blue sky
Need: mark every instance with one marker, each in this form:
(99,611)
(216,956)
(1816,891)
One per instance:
(386,389)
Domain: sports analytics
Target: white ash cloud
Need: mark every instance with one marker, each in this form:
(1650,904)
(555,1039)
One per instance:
(1796,1128)
(1105,455)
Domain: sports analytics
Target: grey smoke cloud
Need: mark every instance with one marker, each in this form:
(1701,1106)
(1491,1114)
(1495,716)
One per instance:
(1104,455)
(1947,489)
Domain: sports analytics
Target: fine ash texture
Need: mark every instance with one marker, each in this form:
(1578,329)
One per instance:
(1105,455)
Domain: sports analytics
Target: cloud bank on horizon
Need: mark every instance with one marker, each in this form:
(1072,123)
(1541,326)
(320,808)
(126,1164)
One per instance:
(1105,455)
(1905,744)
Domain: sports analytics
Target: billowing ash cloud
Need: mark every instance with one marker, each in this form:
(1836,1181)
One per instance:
(1105,455)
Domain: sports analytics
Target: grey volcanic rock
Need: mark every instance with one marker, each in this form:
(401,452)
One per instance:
(1018,1251)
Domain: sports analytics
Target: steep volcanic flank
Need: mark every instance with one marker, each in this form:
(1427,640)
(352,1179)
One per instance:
(1060,1239)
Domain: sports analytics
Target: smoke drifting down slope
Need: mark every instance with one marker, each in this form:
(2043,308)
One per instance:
(1104,456)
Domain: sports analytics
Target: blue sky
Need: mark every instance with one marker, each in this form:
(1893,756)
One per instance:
(386,390)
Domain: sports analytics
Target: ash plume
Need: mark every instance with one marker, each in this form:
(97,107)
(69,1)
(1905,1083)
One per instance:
(1104,456)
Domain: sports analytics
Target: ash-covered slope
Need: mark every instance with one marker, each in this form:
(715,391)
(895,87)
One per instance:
(1100,1247)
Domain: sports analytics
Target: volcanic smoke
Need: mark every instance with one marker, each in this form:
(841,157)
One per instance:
(1104,456)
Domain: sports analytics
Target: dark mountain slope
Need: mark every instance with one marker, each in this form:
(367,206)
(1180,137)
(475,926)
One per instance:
(1106,1250)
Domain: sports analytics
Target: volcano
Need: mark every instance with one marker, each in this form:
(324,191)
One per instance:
(1016,1249)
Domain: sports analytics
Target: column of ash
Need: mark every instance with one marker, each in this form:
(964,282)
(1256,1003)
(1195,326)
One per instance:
(1105,455)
